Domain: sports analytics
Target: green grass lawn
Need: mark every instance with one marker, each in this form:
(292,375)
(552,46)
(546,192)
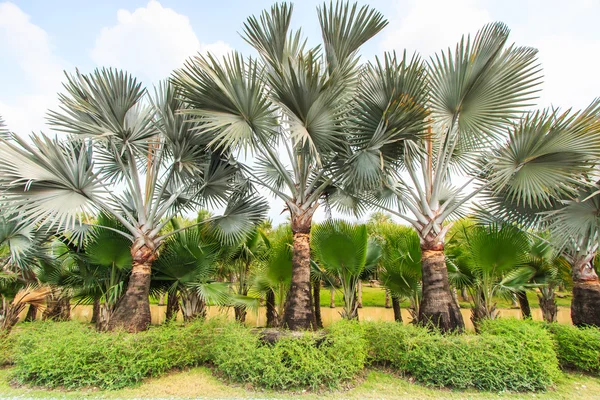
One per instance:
(377,384)
(375,297)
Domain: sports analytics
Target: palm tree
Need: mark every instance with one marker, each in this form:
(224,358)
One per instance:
(490,261)
(401,267)
(464,100)
(118,134)
(240,260)
(549,269)
(188,266)
(292,107)
(345,252)
(545,177)
(273,276)
(22,249)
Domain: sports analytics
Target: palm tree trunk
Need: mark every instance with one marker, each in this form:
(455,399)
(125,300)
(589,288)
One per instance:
(548,304)
(359,290)
(317,302)
(240,314)
(132,313)
(272,318)
(437,308)
(172,306)
(524,304)
(396,307)
(299,313)
(95,311)
(31,313)
(332,297)
(388,299)
(585,306)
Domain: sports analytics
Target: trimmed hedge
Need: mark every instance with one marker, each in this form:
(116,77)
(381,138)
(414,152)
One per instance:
(577,348)
(291,363)
(71,354)
(7,343)
(508,355)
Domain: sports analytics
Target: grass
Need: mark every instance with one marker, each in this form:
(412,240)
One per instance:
(375,297)
(377,384)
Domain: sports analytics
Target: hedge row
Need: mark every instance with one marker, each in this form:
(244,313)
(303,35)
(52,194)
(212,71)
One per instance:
(507,355)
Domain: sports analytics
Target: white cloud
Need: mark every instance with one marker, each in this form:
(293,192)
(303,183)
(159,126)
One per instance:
(28,48)
(150,42)
(427,26)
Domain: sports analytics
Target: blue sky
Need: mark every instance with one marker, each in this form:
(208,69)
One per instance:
(40,38)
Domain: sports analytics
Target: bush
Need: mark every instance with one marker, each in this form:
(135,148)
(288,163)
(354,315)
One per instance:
(7,343)
(291,363)
(577,348)
(71,354)
(508,355)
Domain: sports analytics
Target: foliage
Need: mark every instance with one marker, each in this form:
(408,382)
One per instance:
(291,363)
(345,251)
(508,355)
(71,354)
(577,348)
(7,343)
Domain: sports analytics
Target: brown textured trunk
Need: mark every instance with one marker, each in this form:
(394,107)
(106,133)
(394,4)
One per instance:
(548,305)
(31,313)
(437,307)
(317,303)
(272,317)
(95,311)
(299,312)
(388,300)
(132,313)
(585,306)
(172,306)
(57,308)
(524,304)
(332,297)
(240,314)
(396,307)
(464,294)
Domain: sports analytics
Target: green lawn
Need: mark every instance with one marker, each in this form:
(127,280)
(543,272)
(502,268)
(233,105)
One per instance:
(199,383)
(375,297)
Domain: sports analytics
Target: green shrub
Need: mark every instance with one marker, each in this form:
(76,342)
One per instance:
(71,354)
(508,355)
(291,363)
(577,348)
(7,343)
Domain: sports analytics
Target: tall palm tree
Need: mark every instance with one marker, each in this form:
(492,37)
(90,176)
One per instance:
(292,107)
(116,135)
(467,98)
(545,177)
(345,251)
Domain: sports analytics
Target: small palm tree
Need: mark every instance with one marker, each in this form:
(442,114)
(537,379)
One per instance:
(293,108)
(133,157)
(273,276)
(188,266)
(549,270)
(401,267)
(491,262)
(345,251)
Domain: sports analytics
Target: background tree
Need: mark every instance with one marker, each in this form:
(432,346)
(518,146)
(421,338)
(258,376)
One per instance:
(116,135)
(292,108)
(461,102)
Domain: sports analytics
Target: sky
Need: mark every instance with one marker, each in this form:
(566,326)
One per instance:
(40,40)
